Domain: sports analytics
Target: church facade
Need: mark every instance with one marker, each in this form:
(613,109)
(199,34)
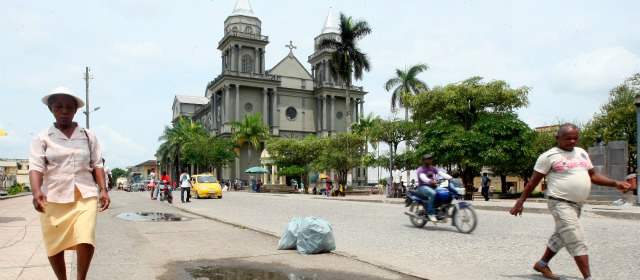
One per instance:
(293,101)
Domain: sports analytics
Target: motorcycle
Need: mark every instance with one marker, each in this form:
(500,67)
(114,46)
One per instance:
(165,192)
(448,205)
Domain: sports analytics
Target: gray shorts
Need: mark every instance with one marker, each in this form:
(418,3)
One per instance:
(568,232)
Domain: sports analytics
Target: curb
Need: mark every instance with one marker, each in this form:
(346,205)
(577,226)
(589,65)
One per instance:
(15,195)
(605,213)
(386,267)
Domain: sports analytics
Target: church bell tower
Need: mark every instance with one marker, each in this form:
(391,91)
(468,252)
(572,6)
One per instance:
(243,45)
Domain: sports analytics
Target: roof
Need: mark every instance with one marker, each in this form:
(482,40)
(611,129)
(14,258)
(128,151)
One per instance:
(242,8)
(189,99)
(290,66)
(331,24)
(146,163)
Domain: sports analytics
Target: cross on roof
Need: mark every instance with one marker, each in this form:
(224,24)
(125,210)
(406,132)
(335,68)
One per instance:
(290,46)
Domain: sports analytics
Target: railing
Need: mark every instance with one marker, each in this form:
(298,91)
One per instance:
(334,85)
(245,35)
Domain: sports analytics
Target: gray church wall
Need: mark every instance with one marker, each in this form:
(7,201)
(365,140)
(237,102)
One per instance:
(296,83)
(340,124)
(304,113)
(253,96)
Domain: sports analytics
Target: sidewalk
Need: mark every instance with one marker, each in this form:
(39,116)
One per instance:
(534,205)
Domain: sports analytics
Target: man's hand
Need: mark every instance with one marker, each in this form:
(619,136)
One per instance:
(39,201)
(517,209)
(105,201)
(623,186)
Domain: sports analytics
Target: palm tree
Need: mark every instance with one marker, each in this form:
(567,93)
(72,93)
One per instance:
(174,137)
(366,127)
(250,130)
(405,83)
(348,61)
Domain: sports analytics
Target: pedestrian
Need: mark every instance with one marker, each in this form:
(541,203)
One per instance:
(258,185)
(152,184)
(185,186)
(569,174)
(107,175)
(485,182)
(65,164)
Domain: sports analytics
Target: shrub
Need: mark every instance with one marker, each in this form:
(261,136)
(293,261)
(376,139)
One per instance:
(15,189)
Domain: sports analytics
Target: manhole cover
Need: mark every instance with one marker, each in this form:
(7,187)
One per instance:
(151,217)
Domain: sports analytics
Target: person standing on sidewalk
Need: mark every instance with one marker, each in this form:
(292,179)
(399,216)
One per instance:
(65,164)
(185,186)
(569,174)
(486,182)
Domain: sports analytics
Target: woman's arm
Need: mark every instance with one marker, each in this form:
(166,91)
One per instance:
(39,199)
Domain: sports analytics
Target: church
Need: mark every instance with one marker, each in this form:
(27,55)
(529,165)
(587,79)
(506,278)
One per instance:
(293,101)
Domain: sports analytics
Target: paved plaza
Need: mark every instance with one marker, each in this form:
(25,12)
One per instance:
(373,241)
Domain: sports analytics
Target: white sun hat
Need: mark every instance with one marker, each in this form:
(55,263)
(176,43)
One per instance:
(65,91)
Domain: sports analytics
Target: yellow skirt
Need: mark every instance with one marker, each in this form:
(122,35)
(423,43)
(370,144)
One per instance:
(65,225)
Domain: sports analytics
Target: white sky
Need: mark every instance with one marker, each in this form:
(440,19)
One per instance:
(144,52)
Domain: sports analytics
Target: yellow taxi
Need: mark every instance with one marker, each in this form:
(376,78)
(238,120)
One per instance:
(205,185)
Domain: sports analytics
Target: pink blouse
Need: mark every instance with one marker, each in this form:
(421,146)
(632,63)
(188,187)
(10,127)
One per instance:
(65,163)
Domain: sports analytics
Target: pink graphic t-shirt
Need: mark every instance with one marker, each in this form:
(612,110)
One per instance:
(567,173)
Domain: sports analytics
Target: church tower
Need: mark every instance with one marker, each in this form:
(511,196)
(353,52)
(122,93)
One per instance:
(321,57)
(243,44)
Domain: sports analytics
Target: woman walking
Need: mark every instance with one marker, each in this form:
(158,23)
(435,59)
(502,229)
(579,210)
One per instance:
(65,164)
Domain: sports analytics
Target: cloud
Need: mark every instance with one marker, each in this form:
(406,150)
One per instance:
(138,50)
(595,71)
(118,149)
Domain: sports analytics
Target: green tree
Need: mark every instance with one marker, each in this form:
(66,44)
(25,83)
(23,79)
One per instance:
(294,156)
(203,150)
(615,121)
(393,133)
(341,152)
(118,172)
(455,120)
(405,83)
(173,138)
(348,62)
(250,130)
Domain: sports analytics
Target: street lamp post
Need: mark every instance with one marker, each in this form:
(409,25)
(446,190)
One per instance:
(637,102)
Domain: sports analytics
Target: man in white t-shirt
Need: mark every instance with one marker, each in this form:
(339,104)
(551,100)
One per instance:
(569,175)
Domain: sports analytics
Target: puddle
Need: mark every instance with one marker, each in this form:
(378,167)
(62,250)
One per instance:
(151,217)
(224,273)
(238,269)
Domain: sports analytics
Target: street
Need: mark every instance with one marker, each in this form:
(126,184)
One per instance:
(502,246)
(195,248)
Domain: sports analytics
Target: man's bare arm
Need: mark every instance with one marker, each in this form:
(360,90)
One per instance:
(601,180)
(528,188)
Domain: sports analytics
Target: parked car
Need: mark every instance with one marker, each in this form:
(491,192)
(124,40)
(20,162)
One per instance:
(205,185)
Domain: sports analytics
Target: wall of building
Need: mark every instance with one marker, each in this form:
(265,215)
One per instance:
(305,118)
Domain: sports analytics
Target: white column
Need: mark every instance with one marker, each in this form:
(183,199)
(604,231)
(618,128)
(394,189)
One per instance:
(333,114)
(327,75)
(237,103)
(324,113)
(265,106)
(214,110)
(361,112)
(276,119)
(238,48)
(225,110)
(256,61)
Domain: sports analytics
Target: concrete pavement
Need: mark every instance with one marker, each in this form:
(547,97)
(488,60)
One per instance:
(502,247)
(196,248)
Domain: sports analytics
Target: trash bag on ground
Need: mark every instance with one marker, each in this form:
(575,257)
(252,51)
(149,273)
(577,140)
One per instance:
(290,236)
(315,236)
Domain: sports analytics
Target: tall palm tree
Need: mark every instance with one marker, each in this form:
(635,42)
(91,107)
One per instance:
(348,62)
(405,83)
(250,130)
(174,137)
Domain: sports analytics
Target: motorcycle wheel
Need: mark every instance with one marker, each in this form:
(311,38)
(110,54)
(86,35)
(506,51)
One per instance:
(418,210)
(465,219)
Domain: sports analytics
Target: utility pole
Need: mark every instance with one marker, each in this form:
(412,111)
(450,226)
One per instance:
(86,79)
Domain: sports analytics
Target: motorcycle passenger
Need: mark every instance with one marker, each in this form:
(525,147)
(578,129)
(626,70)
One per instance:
(428,176)
(164,181)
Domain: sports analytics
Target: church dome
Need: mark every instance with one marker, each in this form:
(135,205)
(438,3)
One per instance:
(331,24)
(243,20)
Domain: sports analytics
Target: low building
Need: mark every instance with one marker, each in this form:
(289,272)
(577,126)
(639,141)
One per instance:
(142,170)
(13,171)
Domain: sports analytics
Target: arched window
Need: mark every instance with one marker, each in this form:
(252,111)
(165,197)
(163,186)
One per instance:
(247,64)
(248,30)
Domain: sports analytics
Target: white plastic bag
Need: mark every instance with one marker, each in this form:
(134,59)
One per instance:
(290,236)
(315,236)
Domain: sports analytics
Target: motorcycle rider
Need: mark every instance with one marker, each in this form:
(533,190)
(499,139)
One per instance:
(428,177)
